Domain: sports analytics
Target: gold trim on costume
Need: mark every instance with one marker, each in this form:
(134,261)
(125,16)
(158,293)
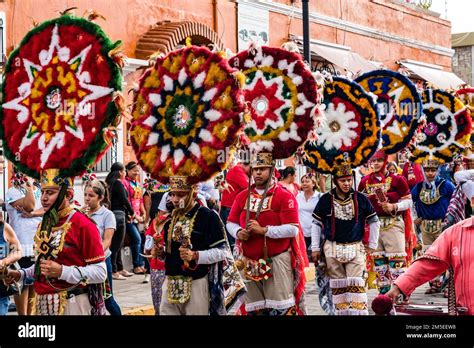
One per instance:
(342,306)
(387,222)
(425,196)
(179,289)
(50,245)
(52,178)
(385,186)
(359,305)
(94,259)
(255,199)
(262,159)
(179,183)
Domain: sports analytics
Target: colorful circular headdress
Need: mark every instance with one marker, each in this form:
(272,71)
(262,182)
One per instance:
(466,96)
(447,130)
(350,132)
(59,97)
(281,95)
(399,106)
(187,115)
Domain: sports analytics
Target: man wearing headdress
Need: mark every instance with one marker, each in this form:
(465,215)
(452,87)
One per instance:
(431,199)
(341,216)
(270,257)
(69,255)
(390,196)
(194,245)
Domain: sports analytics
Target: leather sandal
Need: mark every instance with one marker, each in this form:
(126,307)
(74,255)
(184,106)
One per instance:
(139,270)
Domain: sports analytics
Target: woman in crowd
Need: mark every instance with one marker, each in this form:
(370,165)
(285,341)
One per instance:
(23,205)
(288,178)
(307,199)
(121,208)
(95,198)
(10,252)
(135,197)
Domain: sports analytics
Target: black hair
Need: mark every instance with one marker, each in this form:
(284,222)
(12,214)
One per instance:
(100,188)
(286,172)
(114,173)
(131,165)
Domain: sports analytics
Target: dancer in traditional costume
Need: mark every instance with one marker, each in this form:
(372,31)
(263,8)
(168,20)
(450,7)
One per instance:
(390,196)
(61,95)
(194,241)
(341,216)
(187,112)
(269,252)
(70,256)
(400,109)
(281,94)
(431,199)
(350,136)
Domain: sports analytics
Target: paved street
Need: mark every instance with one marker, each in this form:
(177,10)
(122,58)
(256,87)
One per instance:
(134,297)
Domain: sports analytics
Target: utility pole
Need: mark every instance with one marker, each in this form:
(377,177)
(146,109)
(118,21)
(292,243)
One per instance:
(306,50)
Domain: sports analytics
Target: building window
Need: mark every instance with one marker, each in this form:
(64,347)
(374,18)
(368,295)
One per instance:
(107,160)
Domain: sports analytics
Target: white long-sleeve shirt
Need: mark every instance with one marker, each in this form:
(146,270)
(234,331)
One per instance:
(206,257)
(275,232)
(305,210)
(95,273)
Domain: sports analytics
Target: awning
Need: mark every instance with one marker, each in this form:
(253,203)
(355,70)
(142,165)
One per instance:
(433,74)
(342,56)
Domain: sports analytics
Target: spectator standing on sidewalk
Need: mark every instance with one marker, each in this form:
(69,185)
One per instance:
(135,197)
(307,199)
(23,205)
(10,252)
(122,210)
(95,198)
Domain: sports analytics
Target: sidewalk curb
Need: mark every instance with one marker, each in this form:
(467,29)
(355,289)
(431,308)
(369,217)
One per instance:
(149,310)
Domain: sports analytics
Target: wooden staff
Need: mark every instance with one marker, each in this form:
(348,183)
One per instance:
(247,215)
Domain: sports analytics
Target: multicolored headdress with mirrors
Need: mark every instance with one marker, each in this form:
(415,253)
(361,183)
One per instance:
(60,99)
(187,115)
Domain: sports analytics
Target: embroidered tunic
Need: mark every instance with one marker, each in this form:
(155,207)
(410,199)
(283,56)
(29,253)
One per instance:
(347,228)
(279,208)
(78,243)
(432,207)
(395,188)
(205,230)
